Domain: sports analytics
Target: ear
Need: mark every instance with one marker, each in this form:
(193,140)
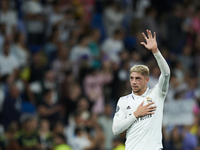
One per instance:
(147,80)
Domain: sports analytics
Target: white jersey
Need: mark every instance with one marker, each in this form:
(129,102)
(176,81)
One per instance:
(143,133)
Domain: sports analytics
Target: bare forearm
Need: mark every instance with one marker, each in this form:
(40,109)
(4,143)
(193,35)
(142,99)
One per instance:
(46,112)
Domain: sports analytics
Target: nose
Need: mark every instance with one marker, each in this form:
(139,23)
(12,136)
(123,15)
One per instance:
(133,81)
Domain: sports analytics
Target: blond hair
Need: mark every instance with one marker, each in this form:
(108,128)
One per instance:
(143,69)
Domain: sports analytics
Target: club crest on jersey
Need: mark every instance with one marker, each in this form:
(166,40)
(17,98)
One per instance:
(149,100)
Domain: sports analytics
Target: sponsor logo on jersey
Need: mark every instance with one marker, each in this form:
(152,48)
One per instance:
(142,118)
(149,100)
(128,108)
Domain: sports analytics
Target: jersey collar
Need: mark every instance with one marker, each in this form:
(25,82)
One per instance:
(143,95)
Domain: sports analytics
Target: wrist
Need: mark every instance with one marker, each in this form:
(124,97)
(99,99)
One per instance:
(136,114)
(154,51)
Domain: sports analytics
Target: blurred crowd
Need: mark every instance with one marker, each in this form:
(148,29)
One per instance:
(65,63)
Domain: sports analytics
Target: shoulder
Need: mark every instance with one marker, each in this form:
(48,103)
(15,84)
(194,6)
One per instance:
(122,100)
(155,87)
(154,90)
(157,91)
(126,97)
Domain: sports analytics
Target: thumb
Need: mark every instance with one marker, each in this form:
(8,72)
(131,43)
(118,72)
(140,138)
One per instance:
(143,44)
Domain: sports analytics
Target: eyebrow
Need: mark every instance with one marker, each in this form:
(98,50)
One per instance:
(134,77)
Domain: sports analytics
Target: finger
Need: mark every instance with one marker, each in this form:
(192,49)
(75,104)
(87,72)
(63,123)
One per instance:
(152,107)
(149,104)
(149,34)
(150,113)
(154,35)
(142,103)
(143,44)
(144,36)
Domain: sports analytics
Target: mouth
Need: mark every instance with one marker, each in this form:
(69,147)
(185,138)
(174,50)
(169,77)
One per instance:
(134,87)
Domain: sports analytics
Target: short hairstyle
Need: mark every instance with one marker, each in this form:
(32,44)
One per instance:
(143,69)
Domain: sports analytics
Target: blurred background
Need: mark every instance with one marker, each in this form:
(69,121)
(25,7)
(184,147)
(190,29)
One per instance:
(65,63)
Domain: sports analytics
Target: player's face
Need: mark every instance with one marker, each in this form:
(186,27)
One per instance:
(138,83)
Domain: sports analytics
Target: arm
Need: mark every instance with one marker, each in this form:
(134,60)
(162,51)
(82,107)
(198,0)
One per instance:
(151,45)
(120,121)
(163,82)
(48,111)
(113,16)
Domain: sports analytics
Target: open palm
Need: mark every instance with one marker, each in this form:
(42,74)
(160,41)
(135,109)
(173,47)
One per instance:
(151,43)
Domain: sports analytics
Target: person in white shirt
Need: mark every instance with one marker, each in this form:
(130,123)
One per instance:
(20,50)
(113,46)
(8,17)
(9,64)
(35,21)
(81,50)
(113,17)
(141,112)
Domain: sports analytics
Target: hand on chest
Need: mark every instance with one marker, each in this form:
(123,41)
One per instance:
(133,104)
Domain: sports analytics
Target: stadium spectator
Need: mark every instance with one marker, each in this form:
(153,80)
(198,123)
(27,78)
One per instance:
(112,46)
(174,30)
(20,50)
(9,63)
(45,134)
(48,109)
(149,21)
(34,21)
(28,137)
(8,17)
(105,121)
(113,17)
(93,85)
(81,52)
(59,141)
(12,104)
